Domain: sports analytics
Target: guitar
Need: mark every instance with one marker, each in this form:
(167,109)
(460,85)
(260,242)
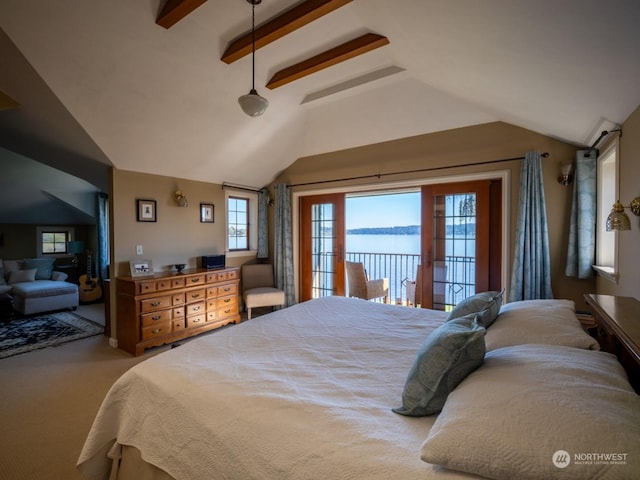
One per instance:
(89,290)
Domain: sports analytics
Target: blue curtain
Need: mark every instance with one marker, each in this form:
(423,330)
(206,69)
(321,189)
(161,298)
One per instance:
(283,244)
(531,273)
(263,224)
(102,235)
(581,252)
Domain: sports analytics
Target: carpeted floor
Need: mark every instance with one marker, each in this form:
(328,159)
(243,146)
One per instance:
(32,333)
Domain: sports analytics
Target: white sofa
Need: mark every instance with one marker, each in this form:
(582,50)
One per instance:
(36,287)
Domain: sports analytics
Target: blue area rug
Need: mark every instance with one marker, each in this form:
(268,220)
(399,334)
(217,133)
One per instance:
(48,330)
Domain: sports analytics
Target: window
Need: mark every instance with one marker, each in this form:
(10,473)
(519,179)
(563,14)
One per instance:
(238,223)
(54,242)
(242,220)
(607,194)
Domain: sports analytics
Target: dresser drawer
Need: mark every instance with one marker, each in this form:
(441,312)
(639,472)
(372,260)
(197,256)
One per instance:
(195,295)
(178,312)
(196,308)
(195,280)
(147,287)
(212,292)
(177,299)
(228,289)
(196,320)
(159,330)
(225,312)
(163,285)
(153,318)
(179,324)
(229,301)
(157,303)
(178,282)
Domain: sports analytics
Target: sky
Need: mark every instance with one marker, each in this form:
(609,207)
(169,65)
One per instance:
(390,210)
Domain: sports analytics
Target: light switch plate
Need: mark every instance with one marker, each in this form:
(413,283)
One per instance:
(138,249)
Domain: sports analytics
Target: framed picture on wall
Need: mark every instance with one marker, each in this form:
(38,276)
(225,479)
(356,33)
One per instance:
(206,213)
(146,210)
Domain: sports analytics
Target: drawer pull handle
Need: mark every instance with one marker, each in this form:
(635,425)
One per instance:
(195,295)
(155,304)
(227,300)
(157,330)
(197,320)
(227,289)
(157,317)
(195,309)
(227,311)
(194,280)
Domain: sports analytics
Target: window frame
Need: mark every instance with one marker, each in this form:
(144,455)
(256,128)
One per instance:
(41,230)
(608,180)
(252,223)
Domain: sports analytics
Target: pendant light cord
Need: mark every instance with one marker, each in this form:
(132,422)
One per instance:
(253,46)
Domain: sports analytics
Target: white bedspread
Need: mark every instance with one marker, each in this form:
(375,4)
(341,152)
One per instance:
(302,393)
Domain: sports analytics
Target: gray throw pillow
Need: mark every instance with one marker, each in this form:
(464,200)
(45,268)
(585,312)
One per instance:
(449,353)
(486,304)
(18,276)
(43,265)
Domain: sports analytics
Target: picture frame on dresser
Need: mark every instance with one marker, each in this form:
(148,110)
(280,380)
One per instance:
(141,268)
(206,213)
(146,210)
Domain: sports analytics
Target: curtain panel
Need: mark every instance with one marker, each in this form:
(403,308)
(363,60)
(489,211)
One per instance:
(283,244)
(531,272)
(263,224)
(581,249)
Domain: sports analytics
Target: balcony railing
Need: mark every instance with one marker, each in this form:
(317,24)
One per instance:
(454,278)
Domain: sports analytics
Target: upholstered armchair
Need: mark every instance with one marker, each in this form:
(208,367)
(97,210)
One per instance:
(361,287)
(258,289)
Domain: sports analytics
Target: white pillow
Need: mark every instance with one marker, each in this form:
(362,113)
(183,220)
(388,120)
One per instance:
(511,417)
(550,322)
(17,276)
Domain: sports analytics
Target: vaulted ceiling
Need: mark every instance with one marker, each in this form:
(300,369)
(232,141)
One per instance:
(101,83)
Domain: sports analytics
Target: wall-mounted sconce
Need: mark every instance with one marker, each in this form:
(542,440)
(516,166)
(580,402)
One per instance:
(565,175)
(618,219)
(181,199)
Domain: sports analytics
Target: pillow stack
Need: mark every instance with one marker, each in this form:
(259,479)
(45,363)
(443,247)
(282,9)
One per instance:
(27,270)
(448,354)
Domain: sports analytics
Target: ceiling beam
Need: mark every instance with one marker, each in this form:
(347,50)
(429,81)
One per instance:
(346,51)
(175,10)
(291,20)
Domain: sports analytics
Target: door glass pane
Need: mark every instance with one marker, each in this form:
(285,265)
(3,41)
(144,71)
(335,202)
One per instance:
(323,242)
(454,254)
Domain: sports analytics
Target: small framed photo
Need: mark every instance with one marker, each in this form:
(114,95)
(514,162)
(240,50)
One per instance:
(146,210)
(141,268)
(206,213)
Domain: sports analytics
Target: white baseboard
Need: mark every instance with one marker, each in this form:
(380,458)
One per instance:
(113,342)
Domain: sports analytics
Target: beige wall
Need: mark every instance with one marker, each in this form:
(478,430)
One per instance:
(476,144)
(628,242)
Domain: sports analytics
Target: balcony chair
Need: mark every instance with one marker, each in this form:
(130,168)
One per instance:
(258,289)
(361,287)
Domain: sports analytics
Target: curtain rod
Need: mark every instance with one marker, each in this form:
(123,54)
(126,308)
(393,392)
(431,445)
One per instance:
(379,175)
(603,134)
(240,187)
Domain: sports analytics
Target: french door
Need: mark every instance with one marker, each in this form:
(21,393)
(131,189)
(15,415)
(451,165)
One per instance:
(322,241)
(460,243)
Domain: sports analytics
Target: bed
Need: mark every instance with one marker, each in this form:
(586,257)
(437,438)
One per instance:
(321,390)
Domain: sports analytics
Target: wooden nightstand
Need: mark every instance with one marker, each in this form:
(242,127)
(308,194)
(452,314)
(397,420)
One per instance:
(618,330)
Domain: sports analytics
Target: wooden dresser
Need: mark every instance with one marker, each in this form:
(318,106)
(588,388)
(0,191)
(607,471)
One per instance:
(618,330)
(165,307)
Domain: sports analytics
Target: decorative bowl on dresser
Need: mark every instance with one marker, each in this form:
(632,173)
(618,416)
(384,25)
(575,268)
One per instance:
(165,307)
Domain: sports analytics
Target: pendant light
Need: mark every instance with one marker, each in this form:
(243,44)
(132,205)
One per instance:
(253,104)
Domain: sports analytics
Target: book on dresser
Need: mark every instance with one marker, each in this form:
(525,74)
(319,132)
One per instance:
(165,307)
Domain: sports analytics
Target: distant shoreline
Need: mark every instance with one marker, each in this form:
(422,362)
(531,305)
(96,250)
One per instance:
(469,229)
